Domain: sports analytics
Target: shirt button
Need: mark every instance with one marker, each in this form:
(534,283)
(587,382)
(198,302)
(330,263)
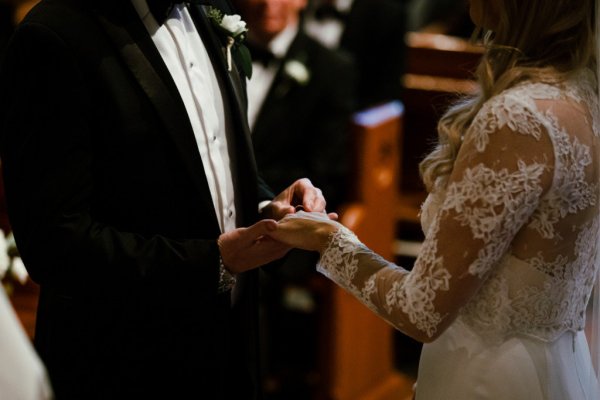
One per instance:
(214,138)
(230,213)
(191,64)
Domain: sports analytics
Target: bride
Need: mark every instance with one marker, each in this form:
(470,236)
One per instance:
(500,288)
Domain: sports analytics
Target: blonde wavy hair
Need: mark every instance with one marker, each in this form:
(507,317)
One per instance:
(533,40)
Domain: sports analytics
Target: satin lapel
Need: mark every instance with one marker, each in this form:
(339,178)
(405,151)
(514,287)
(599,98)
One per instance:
(143,59)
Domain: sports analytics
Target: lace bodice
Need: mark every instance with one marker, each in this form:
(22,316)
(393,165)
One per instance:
(511,242)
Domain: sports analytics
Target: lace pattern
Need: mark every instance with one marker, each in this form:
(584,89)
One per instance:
(478,197)
(511,242)
(573,192)
(338,262)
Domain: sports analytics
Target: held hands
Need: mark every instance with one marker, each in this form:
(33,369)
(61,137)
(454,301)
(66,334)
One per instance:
(247,248)
(306,231)
(244,249)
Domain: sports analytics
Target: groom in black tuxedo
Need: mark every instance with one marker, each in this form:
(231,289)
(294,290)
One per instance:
(129,171)
(302,96)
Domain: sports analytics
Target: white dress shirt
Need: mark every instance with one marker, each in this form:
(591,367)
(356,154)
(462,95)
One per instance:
(328,31)
(187,59)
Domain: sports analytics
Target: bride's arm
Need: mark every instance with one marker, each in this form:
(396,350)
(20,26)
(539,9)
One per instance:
(493,190)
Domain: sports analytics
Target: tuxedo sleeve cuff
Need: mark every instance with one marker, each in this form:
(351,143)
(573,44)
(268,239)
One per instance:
(262,205)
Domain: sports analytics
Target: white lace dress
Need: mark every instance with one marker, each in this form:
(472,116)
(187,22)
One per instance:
(500,288)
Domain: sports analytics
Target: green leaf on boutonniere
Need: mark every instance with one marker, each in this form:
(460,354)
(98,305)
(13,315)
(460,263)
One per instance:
(245,60)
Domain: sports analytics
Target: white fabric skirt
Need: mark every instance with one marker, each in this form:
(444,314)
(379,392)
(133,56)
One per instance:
(459,365)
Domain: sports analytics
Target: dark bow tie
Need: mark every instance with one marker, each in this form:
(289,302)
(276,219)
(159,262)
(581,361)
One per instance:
(161,9)
(260,54)
(329,11)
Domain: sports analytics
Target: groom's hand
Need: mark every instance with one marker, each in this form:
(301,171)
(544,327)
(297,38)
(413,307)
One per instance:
(244,249)
(299,195)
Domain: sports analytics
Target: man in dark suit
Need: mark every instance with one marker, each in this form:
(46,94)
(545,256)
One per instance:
(129,171)
(373,32)
(301,98)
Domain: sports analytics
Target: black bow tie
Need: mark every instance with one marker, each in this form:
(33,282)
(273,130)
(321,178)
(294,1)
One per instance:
(260,54)
(329,11)
(161,9)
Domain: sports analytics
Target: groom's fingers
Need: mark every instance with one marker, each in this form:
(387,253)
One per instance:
(310,197)
(313,200)
(247,248)
(260,252)
(260,228)
(268,250)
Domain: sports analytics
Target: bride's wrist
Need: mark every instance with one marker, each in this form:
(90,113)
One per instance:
(325,236)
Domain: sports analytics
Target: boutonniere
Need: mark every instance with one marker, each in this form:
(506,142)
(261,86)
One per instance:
(297,71)
(234,30)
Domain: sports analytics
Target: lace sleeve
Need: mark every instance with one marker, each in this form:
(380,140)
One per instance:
(504,167)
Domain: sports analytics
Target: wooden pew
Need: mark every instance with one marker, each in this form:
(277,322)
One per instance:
(439,69)
(361,355)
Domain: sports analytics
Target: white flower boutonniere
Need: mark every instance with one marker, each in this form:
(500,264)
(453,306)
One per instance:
(234,30)
(297,71)
(234,25)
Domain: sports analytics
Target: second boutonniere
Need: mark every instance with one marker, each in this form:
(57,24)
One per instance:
(234,29)
(297,71)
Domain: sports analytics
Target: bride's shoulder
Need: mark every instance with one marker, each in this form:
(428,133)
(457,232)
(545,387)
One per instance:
(522,95)
(515,108)
(579,87)
(532,103)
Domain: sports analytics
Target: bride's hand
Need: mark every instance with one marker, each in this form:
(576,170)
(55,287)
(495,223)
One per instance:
(306,231)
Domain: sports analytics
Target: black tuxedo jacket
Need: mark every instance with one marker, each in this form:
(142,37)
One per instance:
(301,129)
(112,213)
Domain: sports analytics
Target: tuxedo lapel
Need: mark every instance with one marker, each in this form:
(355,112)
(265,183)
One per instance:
(140,55)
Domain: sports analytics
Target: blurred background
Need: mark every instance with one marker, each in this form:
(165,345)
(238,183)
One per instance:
(361,85)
